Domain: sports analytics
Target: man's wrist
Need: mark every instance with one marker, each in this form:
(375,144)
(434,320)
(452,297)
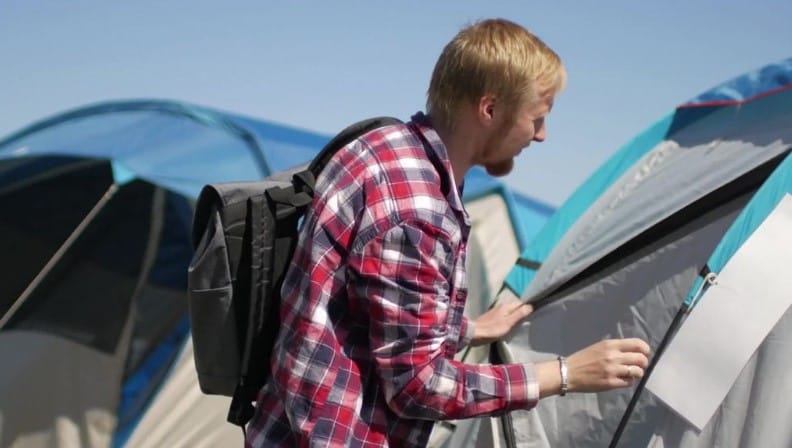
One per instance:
(470,333)
(563,369)
(549,379)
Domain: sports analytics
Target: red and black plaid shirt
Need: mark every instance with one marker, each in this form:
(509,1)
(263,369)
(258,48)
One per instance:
(372,307)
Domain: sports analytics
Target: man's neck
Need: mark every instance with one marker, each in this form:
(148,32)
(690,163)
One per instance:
(461,146)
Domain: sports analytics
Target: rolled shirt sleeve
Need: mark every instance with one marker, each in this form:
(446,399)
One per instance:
(467,333)
(403,276)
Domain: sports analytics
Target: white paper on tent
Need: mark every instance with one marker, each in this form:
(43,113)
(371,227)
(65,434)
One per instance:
(752,292)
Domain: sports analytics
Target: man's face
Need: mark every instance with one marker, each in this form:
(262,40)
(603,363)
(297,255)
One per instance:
(510,139)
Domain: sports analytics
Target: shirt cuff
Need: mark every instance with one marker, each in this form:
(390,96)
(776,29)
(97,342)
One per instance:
(523,386)
(469,331)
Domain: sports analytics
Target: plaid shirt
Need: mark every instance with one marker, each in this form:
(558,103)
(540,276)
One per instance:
(372,310)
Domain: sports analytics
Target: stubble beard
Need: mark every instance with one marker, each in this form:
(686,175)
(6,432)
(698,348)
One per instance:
(500,169)
(497,168)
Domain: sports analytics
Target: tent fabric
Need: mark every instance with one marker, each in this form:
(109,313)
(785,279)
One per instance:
(769,78)
(740,90)
(526,215)
(176,145)
(498,234)
(503,222)
(180,415)
(755,412)
(667,180)
(621,262)
(531,216)
(637,298)
(559,222)
(53,373)
(765,421)
(491,253)
(119,180)
(765,200)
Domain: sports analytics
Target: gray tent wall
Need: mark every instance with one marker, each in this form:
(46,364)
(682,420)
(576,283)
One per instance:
(624,268)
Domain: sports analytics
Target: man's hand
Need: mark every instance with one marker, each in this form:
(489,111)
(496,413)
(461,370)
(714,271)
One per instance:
(606,365)
(498,321)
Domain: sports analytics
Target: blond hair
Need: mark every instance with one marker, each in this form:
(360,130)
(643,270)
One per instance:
(492,57)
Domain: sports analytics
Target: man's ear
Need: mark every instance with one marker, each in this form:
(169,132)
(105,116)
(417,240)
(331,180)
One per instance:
(486,109)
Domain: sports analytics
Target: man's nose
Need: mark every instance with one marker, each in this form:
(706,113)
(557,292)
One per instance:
(540,134)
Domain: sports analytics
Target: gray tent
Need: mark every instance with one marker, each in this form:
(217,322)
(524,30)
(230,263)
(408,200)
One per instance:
(630,251)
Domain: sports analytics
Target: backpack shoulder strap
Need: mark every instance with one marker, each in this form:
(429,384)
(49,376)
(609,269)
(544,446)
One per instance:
(346,135)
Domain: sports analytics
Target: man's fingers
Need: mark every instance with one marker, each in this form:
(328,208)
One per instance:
(630,372)
(634,345)
(518,306)
(510,306)
(635,359)
(520,311)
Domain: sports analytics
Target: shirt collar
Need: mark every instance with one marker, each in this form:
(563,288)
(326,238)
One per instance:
(440,152)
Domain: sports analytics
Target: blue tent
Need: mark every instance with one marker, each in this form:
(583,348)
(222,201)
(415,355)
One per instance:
(527,215)
(630,254)
(98,207)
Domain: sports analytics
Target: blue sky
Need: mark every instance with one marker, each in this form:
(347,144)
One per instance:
(322,65)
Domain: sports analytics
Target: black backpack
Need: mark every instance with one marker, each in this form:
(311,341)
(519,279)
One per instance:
(244,236)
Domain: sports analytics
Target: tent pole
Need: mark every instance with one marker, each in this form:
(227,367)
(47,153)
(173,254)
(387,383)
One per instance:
(59,254)
(672,329)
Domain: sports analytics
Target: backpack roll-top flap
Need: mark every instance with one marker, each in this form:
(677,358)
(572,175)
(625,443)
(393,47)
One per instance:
(217,315)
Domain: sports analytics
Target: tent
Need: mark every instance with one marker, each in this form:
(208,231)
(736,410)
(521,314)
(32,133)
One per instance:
(95,243)
(503,222)
(647,247)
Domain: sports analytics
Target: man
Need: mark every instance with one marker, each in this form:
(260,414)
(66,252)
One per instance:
(373,302)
